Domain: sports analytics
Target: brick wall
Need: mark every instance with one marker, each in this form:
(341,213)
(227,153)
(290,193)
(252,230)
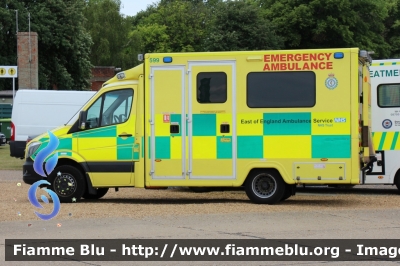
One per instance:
(28,64)
(101,75)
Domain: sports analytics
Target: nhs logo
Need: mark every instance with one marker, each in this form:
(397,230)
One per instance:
(340,120)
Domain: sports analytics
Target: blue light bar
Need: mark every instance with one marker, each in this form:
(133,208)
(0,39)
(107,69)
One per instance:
(338,55)
(167,59)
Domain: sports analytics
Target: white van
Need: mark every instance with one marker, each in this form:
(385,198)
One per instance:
(385,109)
(37,111)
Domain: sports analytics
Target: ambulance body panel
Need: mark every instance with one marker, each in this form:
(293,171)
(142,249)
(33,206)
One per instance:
(265,120)
(385,91)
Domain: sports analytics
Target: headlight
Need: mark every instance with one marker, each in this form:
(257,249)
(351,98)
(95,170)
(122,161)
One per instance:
(32,148)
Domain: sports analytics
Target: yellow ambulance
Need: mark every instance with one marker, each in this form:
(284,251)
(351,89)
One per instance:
(265,120)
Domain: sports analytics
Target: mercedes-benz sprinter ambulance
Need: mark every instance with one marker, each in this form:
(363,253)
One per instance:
(265,120)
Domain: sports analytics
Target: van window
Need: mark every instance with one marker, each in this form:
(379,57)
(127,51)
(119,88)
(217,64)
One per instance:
(211,87)
(93,114)
(111,108)
(389,95)
(281,89)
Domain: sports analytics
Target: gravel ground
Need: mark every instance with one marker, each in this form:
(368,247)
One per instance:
(139,203)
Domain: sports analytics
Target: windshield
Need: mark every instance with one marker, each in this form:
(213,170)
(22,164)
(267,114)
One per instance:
(76,115)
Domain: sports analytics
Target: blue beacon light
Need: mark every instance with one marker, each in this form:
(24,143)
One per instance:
(167,59)
(338,55)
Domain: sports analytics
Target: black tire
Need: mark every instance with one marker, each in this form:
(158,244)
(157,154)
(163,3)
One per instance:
(265,187)
(200,189)
(397,182)
(68,183)
(290,190)
(100,192)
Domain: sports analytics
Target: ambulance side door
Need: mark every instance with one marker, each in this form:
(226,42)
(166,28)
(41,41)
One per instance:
(107,142)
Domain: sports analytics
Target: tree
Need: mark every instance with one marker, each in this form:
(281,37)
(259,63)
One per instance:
(179,26)
(330,23)
(240,26)
(109,31)
(8,38)
(63,42)
(392,24)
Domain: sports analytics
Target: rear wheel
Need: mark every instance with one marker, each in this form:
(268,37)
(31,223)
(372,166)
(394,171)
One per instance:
(290,190)
(397,182)
(100,192)
(265,186)
(68,183)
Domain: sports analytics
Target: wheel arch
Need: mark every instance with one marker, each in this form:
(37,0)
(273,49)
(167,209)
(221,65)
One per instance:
(260,169)
(83,168)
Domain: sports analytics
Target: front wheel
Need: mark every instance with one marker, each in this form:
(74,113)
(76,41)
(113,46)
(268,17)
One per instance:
(265,186)
(68,183)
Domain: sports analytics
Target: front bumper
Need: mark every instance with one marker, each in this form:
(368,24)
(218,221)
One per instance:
(17,149)
(29,174)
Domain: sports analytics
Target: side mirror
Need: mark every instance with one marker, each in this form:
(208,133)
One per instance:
(82,120)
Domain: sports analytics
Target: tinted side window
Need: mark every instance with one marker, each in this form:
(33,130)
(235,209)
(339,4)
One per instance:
(281,89)
(117,106)
(93,114)
(211,87)
(389,95)
(111,108)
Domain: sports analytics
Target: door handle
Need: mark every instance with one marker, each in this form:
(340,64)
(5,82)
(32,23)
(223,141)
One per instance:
(224,128)
(125,135)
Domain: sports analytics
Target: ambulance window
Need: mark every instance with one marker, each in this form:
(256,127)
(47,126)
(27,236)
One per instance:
(389,95)
(281,89)
(117,107)
(211,87)
(111,108)
(93,114)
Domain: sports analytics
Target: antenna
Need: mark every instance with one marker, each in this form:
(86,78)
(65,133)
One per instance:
(30,50)
(16,19)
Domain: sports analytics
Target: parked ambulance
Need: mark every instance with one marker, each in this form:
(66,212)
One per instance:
(385,101)
(265,120)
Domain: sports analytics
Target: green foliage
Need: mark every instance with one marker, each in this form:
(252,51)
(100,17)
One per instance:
(76,34)
(330,23)
(109,31)
(179,26)
(8,38)
(240,26)
(152,37)
(63,42)
(392,25)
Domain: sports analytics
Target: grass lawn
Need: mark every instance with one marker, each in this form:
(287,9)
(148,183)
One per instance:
(7,162)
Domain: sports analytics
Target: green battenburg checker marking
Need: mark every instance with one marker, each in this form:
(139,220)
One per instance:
(224,147)
(125,148)
(204,125)
(334,146)
(65,144)
(163,148)
(250,147)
